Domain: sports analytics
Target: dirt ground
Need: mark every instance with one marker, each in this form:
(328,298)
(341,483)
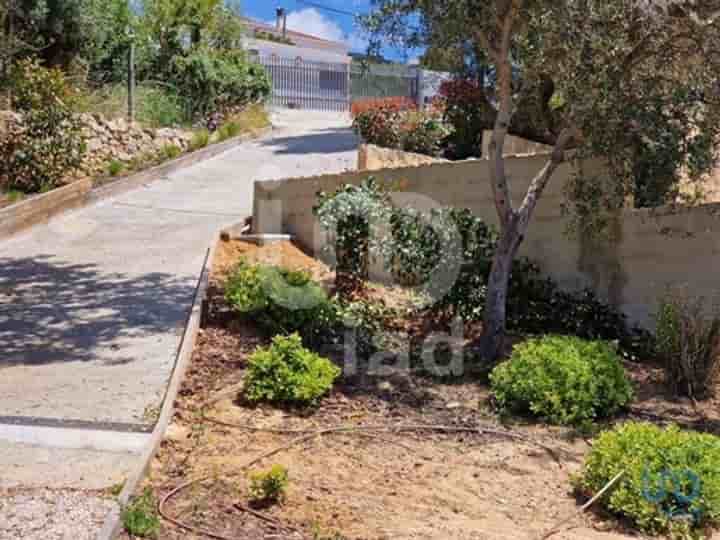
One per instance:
(474,479)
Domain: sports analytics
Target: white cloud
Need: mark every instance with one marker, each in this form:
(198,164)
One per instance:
(311,21)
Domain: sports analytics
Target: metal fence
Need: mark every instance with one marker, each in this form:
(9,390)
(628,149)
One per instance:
(379,81)
(302,84)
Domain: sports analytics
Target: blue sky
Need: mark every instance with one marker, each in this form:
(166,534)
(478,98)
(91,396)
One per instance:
(320,22)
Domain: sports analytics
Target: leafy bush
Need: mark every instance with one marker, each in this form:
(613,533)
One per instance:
(352,215)
(564,380)
(140,516)
(688,340)
(269,486)
(423,132)
(380,126)
(40,151)
(669,474)
(218,80)
(281,301)
(419,242)
(286,372)
(463,102)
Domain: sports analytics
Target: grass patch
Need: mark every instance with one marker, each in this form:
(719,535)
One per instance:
(140,516)
(170,151)
(200,139)
(115,167)
(14,195)
(155,106)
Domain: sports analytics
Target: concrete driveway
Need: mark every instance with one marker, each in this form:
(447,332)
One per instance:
(92,308)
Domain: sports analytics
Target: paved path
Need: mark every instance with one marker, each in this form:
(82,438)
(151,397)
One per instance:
(92,307)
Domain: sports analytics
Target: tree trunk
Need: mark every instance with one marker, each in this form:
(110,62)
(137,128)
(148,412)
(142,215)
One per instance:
(495,315)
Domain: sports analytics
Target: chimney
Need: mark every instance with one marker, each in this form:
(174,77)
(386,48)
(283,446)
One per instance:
(281,22)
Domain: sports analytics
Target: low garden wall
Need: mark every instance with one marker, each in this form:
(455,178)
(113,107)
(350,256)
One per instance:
(374,158)
(650,250)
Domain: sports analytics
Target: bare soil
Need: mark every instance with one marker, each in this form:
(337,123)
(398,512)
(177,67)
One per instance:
(490,482)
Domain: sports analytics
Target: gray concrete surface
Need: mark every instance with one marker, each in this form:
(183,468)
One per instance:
(92,305)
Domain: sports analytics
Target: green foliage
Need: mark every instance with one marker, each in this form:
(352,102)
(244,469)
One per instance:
(352,215)
(269,487)
(564,380)
(669,474)
(213,80)
(169,152)
(688,340)
(156,105)
(288,373)
(40,151)
(397,124)
(420,242)
(229,130)
(115,167)
(281,301)
(140,516)
(464,101)
(200,139)
(380,125)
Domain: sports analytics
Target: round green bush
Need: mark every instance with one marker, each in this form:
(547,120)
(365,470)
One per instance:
(671,480)
(281,301)
(562,379)
(286,372)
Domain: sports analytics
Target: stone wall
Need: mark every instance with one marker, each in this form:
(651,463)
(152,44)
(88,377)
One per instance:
(650,250)
(118,139)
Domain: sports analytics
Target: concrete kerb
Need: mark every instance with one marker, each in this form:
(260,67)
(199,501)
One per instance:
(40,208)
(113,523)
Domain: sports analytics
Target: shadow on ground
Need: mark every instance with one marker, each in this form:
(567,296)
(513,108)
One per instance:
(325,141)
(51,311)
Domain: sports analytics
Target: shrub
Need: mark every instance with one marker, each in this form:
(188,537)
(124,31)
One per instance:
(229,130)
(140,516)
(399,103)
(380,125)
(423,132)
(352,215)
(668,474)
(115,167)
(464,101)
(286,372)
(38,152)
(200,139)
(281,301)
(419,242)
(564,380)
(688,340)
(213,80)
(159,107)
(170,151)
(269,486)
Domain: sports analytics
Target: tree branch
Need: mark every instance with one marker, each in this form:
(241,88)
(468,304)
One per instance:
(538,184)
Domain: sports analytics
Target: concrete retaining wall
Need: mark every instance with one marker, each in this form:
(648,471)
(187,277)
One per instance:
(652,249)
(373,158)
(40,208)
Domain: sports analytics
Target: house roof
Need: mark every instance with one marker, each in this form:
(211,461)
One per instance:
(265,27)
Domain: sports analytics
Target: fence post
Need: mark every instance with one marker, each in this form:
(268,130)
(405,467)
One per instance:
(131,76)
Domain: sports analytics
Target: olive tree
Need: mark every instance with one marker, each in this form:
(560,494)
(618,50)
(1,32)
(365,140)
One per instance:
(609,79)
